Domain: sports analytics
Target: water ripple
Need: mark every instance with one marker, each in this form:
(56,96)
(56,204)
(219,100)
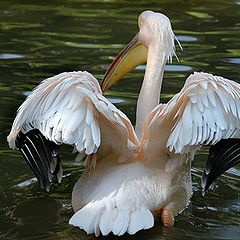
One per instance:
(185,38)
(233,60)
(169,68)
(10,56)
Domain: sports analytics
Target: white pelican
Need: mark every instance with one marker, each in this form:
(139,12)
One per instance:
(130,178)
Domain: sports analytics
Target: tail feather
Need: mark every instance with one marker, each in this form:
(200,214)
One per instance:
(98,217)
(120,225)
(108,217)
(88,218)
(96,226)
(141,219)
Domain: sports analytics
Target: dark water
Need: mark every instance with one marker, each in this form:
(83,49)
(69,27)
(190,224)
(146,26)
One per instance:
(42,38)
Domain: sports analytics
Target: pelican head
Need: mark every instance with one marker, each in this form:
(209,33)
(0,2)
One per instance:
(154,31)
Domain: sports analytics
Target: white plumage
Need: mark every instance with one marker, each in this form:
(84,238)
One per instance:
(130,178)
(210,112)
(66,109)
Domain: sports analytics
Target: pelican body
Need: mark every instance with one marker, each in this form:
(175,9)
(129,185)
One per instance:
(132,176)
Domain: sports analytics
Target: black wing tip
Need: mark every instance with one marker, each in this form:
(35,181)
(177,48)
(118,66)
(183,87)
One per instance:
(40,153)
(20,140)
(222,156)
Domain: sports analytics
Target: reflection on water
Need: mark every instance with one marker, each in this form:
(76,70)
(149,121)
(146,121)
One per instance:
(9,56)
(233,60)
(186,38)
(43,38)
(178,68)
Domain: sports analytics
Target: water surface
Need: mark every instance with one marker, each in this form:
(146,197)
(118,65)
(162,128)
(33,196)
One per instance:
(43,38)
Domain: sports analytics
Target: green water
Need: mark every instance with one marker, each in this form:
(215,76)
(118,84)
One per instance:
(42,38)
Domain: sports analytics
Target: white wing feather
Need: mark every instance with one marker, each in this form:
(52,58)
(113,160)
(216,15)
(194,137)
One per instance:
(205,111)
(66,109)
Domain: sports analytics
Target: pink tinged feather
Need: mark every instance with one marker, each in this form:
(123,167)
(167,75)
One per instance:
(76,101)
(102,108)
(210,137)
(86,131)
(118,119)
(176,142)
(199,134)
(63,116)
(174,136)
(88,144)
(131,145)
(111,107)
(224,100)
(89,115)
(204,84)
(204,98)
(214,84)
(232,122)
(208,132)
(236,91)
(238,108)
(178,112)
(178,147)
(219,117)
(204,133)
(229,132)
(96,133)
(211,96)
(217,136)
(72,139)
(194,134)
(186,131)
(70,128)
(193,97)
(232,106)
(73,126)
(227,88)
(200,104)
(209,118)
(197,116)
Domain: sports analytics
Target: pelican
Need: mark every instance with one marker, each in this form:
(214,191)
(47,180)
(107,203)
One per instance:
(132,176)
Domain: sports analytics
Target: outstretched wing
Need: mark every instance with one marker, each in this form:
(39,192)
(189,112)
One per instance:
(68,108)
(205,111)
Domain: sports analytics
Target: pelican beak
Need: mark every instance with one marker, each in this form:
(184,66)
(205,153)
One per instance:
(130,57)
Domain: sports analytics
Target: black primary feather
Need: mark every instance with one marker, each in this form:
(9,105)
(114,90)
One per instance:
(222,156)
(41,155)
